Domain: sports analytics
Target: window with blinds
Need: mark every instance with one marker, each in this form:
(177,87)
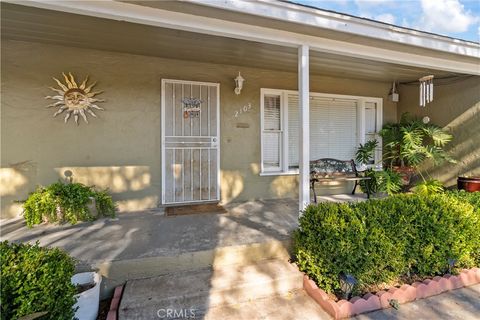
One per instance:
(272,132)
(333,128)
(337,125)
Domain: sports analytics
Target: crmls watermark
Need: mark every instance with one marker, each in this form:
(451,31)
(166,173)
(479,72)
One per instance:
(176,313)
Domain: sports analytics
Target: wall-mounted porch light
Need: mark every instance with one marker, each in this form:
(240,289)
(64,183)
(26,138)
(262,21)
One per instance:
(393,95)
(239,83)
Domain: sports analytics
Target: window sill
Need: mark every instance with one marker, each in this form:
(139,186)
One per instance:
(278,173)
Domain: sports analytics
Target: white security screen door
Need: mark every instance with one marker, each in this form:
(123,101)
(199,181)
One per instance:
(190,142)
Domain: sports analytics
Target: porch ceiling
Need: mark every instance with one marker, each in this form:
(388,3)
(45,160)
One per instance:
(53,27)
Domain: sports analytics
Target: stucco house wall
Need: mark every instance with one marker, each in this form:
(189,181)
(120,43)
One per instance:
(456,107)
(120,149)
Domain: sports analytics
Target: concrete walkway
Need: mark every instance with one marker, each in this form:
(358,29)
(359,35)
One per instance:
(296,305)
(213,291)
(461,304)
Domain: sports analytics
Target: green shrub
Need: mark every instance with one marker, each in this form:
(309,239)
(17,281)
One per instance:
(36,279)
(471,197)
(66,202)
(428,187)
(381,241)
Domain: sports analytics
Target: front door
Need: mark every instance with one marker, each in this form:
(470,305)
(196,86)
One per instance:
(190,142)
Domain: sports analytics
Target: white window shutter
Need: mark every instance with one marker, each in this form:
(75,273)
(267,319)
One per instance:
(370,119)
(372,127)
(293,130)
(272,133)
(271,113)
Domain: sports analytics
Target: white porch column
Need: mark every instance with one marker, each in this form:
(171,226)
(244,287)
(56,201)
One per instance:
(304,106)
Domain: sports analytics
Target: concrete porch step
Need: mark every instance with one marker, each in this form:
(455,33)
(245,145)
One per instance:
(117,272)
(207,288)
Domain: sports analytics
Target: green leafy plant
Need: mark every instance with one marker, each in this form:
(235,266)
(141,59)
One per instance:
(66,202)
(387,181)
(410,142)
(365,152)
(382,241)
(36,280)
(428,187)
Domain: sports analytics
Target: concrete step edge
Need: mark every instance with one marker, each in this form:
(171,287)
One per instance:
(284,278)
(116,272)
(238,293)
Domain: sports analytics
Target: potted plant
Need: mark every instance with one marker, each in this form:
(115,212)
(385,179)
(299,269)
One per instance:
(88,295)
(468,183)
(67,202)
(408,143)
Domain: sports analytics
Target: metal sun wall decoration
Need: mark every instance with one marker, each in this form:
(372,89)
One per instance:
(75,99)
(191,107)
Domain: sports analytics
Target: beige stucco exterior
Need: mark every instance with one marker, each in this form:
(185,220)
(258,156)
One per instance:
(456,107)
(120,150)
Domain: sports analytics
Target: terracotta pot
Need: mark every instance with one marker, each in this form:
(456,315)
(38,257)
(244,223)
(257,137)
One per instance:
(470,184)
(406,173)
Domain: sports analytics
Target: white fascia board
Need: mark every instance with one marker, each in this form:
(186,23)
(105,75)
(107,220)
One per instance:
(343,23)
(175,20)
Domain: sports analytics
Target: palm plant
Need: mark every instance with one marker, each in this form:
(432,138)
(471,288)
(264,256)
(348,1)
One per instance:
(410,142)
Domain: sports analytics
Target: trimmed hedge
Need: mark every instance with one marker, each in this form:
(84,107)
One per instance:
(383,240)
(36,279)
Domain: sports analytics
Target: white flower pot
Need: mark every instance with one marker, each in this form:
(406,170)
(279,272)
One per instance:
(87,301)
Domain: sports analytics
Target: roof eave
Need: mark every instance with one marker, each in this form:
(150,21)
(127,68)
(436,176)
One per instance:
(298,14)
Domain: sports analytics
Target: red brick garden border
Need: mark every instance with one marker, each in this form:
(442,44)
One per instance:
(115,304)
(381,300)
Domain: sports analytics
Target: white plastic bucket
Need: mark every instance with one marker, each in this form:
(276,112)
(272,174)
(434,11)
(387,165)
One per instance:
(87,301)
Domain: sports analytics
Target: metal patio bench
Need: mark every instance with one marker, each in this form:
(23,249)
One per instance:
(328,170)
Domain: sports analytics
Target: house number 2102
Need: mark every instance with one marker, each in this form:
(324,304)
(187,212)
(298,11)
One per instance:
(243,109)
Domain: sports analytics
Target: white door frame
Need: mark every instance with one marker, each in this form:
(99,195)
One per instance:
(162,137)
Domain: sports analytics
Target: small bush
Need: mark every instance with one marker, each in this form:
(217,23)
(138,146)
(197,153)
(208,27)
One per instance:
(36,279)
(66,202)
(472,198)
(382,241)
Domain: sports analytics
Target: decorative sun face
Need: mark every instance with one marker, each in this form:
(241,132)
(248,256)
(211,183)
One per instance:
(75,99)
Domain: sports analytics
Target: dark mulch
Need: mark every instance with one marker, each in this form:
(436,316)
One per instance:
(84,287)
(103,309)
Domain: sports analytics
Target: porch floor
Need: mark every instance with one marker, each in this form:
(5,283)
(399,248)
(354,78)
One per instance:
(149,233)
(148,243)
